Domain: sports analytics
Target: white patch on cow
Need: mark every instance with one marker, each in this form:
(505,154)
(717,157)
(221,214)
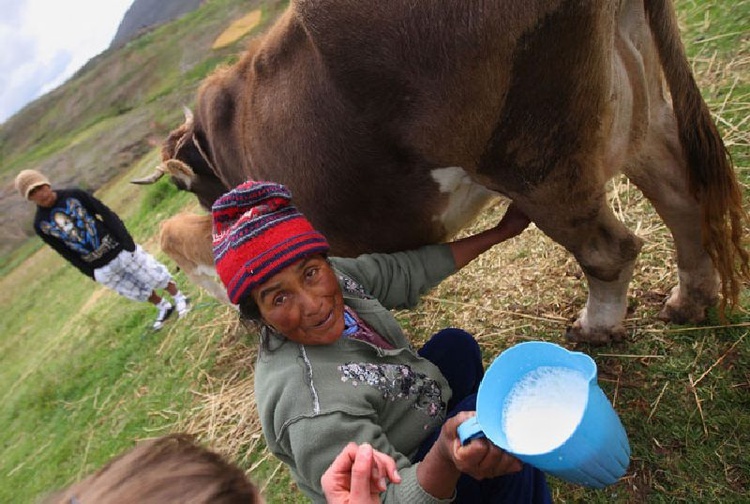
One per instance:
(466,197)
(204,269)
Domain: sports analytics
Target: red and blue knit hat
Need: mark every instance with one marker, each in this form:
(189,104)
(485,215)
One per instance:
(257,233)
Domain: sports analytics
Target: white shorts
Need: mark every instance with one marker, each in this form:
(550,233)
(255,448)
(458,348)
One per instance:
(134,275)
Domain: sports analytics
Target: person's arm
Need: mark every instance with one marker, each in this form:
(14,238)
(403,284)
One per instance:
(316,442)
(399,279)
(358,475)
(311,445)
(110,219)
(479,458)
(467,249)
(448,458)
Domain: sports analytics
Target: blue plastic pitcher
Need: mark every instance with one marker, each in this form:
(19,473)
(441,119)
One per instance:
(596,454)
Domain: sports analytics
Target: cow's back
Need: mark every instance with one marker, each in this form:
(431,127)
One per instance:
(357,108)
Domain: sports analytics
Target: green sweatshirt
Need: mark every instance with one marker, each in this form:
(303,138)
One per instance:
(313,400)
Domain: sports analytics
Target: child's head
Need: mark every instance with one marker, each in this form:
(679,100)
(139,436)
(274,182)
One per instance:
(167,470)
(28,180)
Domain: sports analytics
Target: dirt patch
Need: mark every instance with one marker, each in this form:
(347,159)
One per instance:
(238,29)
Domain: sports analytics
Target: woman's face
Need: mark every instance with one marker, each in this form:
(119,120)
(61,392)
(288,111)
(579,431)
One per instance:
(303,302)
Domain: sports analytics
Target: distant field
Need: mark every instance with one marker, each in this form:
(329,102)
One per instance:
(82,376)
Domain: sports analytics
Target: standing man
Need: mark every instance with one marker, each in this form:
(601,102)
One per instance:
(92,238)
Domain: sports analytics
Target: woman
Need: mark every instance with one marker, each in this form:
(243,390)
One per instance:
(335,366)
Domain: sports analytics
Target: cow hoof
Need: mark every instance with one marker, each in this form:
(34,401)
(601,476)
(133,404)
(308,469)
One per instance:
(678,311)
(681,315)
(577,334)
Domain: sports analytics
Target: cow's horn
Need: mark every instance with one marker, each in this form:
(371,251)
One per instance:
(150,179)
(188,115)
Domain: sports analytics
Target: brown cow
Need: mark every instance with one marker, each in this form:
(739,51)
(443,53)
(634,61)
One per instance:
(186,238)
(392,122)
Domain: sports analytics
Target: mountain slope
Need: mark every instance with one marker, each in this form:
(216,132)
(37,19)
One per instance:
(145,14)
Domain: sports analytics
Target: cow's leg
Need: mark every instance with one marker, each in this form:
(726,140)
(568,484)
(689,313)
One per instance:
(607,256)
(606,251)
(661,176)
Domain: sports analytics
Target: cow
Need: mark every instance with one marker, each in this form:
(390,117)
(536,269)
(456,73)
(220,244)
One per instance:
(393,122)
(186,238)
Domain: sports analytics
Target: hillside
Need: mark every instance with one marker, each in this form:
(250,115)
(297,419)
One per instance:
(145,14)
(83,376)
(115,110)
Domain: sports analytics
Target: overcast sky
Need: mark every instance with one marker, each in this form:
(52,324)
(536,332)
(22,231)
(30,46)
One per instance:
(45,41)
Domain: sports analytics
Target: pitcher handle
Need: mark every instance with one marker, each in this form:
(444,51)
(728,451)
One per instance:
(469,429)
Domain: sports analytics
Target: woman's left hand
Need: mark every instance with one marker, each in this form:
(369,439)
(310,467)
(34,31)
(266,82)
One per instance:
(480,458)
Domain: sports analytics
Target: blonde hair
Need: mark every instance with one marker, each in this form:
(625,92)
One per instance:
(170,469)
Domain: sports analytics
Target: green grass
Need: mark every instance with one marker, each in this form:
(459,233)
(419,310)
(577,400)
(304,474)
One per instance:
(83,377)
(11,261)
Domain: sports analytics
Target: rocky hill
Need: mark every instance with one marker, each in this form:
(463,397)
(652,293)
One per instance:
(146,14)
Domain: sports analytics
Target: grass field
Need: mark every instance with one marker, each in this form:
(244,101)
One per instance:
(82,376)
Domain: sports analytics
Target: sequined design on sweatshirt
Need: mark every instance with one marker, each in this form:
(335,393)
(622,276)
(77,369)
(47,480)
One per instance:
(397,382)
(74,226)
(352,287)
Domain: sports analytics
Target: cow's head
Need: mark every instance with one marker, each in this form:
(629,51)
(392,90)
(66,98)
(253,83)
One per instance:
(188,162)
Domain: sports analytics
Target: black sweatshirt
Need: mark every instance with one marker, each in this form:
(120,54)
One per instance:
(83,230)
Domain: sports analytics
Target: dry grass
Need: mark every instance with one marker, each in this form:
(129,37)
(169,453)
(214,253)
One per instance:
(226,412)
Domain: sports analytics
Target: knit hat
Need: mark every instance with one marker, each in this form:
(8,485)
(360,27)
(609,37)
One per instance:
(28,180)
(257,233)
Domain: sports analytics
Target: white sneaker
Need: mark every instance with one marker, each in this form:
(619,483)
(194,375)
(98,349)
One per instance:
(162,316)
(183,306)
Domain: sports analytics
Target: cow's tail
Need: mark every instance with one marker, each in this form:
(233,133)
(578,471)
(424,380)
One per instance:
(711,176)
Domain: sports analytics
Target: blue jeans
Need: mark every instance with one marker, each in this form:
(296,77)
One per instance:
(457,355)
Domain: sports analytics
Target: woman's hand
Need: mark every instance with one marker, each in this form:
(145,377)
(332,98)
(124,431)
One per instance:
(479,458)
(513,222)
(467,249)
(358,475)
(439,471)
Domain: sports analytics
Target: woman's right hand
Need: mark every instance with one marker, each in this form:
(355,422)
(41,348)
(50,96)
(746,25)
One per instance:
(443,465)
(513,222)
(479,458)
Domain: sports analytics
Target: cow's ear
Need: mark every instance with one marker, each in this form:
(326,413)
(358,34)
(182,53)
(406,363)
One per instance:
(180,171)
